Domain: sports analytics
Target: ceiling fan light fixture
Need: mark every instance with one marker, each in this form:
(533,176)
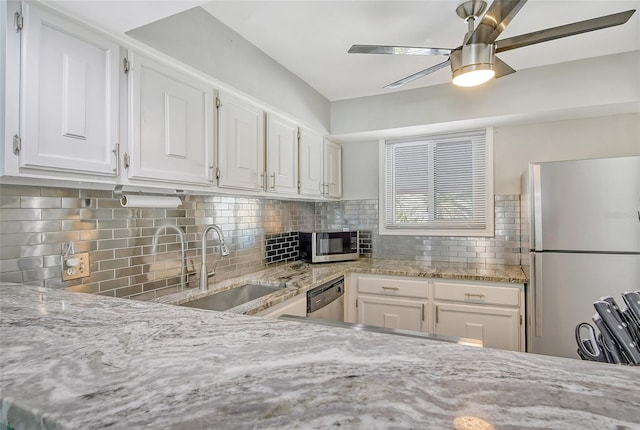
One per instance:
(472,65)
(480,74)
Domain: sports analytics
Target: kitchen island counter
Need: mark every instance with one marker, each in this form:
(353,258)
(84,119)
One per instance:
(76,361)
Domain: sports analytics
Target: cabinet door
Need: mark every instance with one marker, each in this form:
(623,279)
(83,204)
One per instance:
(386,312)
(69,96)
(332,169)
(495,327)
(171,122)
(282,155)
(240,144)
(311,167)
(295,306)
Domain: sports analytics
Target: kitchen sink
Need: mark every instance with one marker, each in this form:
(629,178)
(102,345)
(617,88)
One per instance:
(231,298)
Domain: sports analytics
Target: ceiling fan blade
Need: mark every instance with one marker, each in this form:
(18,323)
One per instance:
(498,16)
(563,31)
(397,50)
(420,74)
(501,68)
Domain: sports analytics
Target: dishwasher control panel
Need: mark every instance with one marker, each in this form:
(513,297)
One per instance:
(321,296)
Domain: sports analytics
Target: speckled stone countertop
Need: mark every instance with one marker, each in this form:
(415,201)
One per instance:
(298,277)
(76,361)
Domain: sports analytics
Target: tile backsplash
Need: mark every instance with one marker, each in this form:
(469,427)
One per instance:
(503,248)
(36,222)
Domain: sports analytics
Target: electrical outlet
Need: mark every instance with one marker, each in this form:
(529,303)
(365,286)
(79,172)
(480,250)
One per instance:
(75,266)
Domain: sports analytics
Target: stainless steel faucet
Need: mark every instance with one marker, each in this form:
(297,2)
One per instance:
(183,256)
(204,273)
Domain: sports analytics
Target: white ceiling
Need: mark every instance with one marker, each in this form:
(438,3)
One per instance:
(311,37)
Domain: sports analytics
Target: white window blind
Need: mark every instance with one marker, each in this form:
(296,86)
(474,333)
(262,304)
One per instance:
(438,182)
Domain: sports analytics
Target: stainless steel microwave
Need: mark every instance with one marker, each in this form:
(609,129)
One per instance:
(330,246)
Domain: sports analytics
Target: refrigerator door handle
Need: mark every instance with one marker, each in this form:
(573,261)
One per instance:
(536,283)
(536,193)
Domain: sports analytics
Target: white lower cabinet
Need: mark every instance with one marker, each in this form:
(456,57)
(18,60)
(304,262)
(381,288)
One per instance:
(490,313)
(496,327)
(405,314)
(393,302)
(294,306)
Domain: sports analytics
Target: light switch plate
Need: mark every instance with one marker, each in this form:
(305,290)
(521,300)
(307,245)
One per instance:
(75,266)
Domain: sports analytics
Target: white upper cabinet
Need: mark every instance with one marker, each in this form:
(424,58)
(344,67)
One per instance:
(69,96)
(240,144)
(170,124)
(320,166)
(311,163)
(282,155)
(332,169)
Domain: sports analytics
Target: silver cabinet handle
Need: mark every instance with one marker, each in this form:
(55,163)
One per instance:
(273,185)
(263,180)
(437,314)
(390,288)
(474,296)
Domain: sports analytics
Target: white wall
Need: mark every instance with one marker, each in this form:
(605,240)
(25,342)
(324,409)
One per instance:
(514,147)
(199,40)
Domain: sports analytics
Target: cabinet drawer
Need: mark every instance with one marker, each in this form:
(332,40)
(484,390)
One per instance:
(505,296)
(393,286)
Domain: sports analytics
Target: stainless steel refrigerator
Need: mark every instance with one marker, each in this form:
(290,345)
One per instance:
(580,226)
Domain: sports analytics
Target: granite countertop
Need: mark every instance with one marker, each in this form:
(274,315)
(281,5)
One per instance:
(298,277)
(77,361)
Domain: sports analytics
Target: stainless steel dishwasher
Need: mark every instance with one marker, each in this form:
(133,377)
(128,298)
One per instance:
(326,302)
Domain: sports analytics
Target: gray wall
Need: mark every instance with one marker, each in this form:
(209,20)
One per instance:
(513,148)
(592,87)
(199,40)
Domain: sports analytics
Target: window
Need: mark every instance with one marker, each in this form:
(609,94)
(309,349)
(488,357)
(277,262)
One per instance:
(439,185)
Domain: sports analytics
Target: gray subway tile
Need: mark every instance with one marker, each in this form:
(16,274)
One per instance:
(59,192)
(68,225)
(11,277)
(20,214)
(75,203)
(40,202)
(60,236)
(19,190)
(19,264)
(9,202)
(14,239)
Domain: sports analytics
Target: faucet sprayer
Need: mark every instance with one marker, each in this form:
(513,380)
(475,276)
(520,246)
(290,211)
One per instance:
(224,251)
(183,257)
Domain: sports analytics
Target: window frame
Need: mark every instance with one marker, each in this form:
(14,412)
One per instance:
(487,231)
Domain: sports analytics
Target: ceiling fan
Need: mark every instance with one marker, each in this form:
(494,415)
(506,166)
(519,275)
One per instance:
(475,62)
